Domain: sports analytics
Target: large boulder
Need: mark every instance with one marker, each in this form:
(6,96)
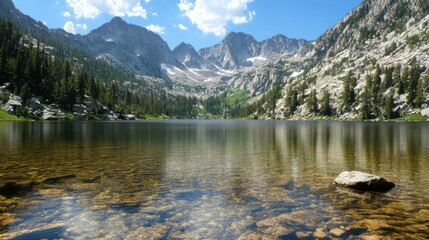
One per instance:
(363,181)
(79,109)
(13,103)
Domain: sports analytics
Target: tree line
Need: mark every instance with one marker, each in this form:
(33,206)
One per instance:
(375,100)
(56,73)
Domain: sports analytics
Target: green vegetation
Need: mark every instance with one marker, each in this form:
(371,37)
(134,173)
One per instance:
(4,116)
(413,118)
(59,74)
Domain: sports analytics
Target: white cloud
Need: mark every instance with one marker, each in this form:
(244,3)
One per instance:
(212,16)
(66,14)
(154,14)
(147,1)
(82,26)
(93,8)
(156,28)
(70,27)
(182,27)
(252,15)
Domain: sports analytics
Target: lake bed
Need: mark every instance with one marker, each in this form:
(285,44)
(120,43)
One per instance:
(212,180)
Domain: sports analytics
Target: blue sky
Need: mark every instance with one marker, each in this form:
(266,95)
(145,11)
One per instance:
(200,22)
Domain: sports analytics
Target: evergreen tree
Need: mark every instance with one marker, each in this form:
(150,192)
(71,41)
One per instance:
(403,85)
(388,112)
(376,92)
(366,105)
(312,102)
(348,96)
(82,79)
(388,79)
(112,95)
(291,102)
(414,76)
(396,76)
(3,64)
(325,104)
(25,93)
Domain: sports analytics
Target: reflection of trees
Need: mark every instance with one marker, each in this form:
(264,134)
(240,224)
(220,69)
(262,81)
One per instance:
(414,146)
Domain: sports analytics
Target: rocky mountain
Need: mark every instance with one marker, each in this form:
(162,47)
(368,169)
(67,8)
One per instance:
(280,45)
(136,48)
(181,71)
(367,46)
(9,11)
(233,52)
(188,56)
(239,50)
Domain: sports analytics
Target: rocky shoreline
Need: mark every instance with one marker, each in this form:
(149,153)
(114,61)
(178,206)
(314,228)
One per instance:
(34,108)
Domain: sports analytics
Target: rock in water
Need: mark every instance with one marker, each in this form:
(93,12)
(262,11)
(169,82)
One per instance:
(363,181)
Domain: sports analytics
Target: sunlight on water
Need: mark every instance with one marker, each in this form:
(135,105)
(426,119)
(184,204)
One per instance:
(211,179)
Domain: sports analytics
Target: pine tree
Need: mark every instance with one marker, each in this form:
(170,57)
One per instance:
(325,104)
(312,102)
(403,85)
(388,105)
(366,105)
(291,102)
(396,75)
(348,96)
(388,79)
(414,76)
(112,95)
(3,64)
(82,79)
(25,93)
(376,92)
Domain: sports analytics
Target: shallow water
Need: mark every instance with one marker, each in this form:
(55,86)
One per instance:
(212,180)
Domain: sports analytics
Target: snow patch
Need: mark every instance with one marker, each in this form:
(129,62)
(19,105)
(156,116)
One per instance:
(296,74)
(109,40)
(167,69)
(254,59)
(194,71)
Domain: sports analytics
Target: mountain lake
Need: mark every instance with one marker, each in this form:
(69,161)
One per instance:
(211,180)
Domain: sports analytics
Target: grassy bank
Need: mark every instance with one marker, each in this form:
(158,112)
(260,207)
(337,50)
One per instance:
(4,116)
(413,118)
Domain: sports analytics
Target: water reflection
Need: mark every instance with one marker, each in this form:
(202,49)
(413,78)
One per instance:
(212,179)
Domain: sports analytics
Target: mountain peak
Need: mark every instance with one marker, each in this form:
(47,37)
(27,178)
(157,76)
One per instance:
(9,11)
(118,21)
(233,36)
(184,45)
(187,55)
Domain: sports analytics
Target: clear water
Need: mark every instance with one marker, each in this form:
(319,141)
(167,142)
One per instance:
(212,180)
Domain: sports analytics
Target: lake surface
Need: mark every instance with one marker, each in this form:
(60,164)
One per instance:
(212,180)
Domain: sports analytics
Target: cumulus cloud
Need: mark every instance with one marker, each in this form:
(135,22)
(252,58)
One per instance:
(156,28)
(212,16)
(93,8)
(70,27)
(182,27)
(82,26)
(66,14)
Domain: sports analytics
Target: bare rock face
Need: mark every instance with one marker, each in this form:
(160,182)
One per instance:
(363,182)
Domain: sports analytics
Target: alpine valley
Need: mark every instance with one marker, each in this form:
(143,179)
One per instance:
(372,65)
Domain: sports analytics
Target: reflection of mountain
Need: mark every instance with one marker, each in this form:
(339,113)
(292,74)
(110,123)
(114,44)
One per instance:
(195,173)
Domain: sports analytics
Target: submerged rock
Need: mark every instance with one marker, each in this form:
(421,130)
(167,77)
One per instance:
(12,188)
(49,231)
(56,179)
(363,181)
